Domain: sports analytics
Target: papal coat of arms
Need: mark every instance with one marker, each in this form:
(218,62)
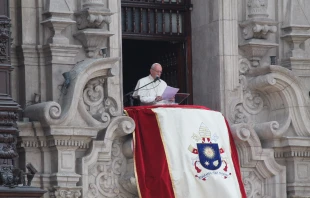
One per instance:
(208,157)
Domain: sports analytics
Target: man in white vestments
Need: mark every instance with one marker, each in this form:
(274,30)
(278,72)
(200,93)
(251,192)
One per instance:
(151,94)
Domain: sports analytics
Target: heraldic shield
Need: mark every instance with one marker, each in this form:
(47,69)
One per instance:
(209,156)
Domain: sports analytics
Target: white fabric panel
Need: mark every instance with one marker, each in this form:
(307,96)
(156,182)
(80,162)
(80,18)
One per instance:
(181,130)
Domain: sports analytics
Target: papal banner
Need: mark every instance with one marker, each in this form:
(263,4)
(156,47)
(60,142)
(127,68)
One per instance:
(184,152)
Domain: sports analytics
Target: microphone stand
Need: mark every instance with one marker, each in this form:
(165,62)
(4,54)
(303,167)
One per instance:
(130,93)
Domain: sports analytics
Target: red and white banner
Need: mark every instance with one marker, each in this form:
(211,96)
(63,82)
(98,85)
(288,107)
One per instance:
(184,152)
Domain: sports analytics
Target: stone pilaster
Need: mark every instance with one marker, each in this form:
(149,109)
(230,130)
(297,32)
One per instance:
(294,153)
(295,31)
(59,59)
(57,18)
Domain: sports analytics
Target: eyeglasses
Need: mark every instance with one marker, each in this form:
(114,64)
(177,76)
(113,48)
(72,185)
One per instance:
(157,71)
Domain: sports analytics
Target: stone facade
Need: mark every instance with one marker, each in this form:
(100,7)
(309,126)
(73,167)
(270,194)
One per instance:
(250,61)
(67,59)
(253,55)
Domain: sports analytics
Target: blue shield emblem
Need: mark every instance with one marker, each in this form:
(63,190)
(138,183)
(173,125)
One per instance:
(209,156)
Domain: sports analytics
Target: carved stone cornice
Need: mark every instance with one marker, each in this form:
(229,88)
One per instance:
(66,141)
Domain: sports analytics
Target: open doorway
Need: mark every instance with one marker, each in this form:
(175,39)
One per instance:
(139,55)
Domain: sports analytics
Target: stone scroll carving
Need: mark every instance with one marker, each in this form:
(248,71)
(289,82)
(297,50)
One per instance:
(258,165)
(270,96)
(108,170)
(264,103)
(71,108)
(85,111)
(99,106)
(69,192)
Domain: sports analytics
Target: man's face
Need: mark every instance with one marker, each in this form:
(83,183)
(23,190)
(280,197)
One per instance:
(156,71)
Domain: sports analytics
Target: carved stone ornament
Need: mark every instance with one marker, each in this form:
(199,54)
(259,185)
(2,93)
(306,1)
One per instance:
(255,31)
(283,97)
(98,106)
(11,176)
(66,192)
(92,19)
(73,109)
(107,168)
(258,164)
(255,49)
(258,8)
(258,28)
(92,40)
(263,105)
(4,39)
(8,135)
(252,184)
(240,117)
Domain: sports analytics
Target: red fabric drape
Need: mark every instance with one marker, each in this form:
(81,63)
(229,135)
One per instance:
(150,160)
(234,156)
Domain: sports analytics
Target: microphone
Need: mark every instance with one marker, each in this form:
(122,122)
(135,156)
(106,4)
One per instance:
(157,78)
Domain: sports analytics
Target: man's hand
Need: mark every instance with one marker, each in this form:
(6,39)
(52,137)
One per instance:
(158,98)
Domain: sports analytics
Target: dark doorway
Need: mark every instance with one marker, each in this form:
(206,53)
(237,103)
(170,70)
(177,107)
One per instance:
(139,55)
(157,31)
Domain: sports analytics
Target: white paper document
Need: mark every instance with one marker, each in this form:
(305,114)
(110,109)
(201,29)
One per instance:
(169,93)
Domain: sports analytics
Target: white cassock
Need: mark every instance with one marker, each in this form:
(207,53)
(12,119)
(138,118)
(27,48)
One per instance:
(148,93)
